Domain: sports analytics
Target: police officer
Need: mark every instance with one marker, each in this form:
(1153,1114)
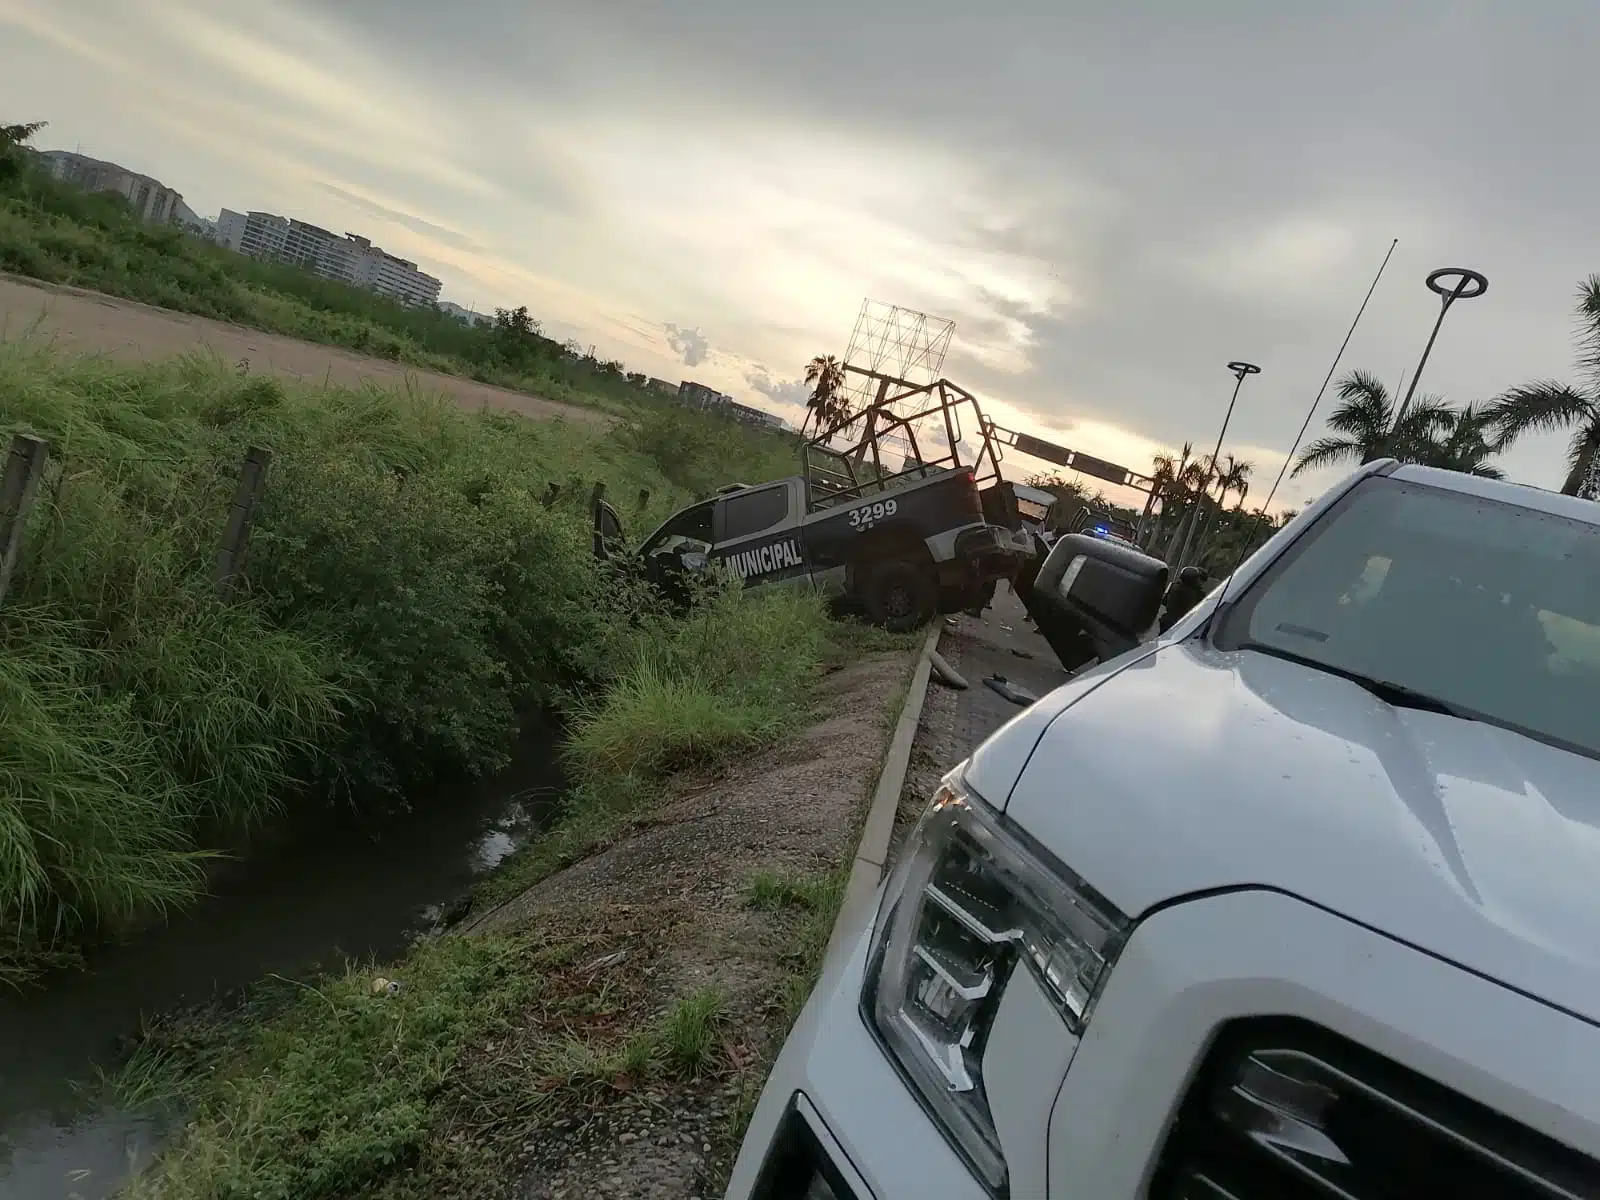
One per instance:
(1187,590)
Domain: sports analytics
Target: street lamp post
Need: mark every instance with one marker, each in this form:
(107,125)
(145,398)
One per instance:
(1469,285)
(1240,370)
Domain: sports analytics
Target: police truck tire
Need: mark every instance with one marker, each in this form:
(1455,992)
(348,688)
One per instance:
(900,596)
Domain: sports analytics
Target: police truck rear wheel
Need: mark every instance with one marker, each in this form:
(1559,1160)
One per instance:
(900,596)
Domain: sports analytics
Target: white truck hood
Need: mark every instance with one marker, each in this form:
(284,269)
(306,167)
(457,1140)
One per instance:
(1191,770)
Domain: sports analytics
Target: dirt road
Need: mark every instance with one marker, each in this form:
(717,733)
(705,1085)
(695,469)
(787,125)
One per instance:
(83,322)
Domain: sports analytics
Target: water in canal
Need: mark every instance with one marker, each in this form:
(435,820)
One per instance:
(340,890)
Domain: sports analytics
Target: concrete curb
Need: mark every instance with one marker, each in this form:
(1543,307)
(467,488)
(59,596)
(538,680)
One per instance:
(866,872)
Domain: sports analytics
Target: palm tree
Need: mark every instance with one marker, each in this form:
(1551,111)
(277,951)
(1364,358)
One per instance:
(1467,443)
(1193,480)
(1198,510)
(1364,422)
(1236,478)
(1545,405)
(1163,480)
(828,402)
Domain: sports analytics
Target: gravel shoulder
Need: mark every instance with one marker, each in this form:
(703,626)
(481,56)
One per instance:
(79,322)
(725,893)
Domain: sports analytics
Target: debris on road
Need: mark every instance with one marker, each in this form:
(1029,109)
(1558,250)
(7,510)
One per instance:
(1009,691)
(614,959)
(945,673)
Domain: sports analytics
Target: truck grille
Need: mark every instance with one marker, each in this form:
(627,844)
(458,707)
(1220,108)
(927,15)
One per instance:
(1288,1111)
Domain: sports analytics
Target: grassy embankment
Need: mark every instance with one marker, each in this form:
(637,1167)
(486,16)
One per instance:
(408,597)
(54,232)
(336,1089)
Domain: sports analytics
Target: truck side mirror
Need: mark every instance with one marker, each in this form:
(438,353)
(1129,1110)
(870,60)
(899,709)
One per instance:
(1095,599)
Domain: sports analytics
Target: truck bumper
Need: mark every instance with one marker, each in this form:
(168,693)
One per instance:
(978,557)
(1106,1118)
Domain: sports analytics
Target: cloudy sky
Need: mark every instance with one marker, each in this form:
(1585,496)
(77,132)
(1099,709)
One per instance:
(1110,201)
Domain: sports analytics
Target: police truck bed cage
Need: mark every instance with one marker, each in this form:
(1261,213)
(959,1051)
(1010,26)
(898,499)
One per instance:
(921,425)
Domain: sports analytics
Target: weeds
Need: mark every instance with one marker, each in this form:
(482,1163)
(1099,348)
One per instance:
(734,675)
(407,597)
(490,1037)
(781,889)
(340,1089)
(809,939)
(689,1034)
(698,691)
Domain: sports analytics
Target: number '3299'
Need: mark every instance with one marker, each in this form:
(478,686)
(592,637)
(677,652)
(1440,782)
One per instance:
(862,517)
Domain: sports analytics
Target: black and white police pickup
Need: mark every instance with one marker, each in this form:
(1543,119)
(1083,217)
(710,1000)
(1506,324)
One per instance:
(900,552)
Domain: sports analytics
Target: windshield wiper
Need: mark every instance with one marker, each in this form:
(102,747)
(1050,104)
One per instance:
(1396,694)
(1403,697)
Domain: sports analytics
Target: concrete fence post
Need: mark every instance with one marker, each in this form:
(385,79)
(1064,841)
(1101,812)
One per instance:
(236,535)
(20,483)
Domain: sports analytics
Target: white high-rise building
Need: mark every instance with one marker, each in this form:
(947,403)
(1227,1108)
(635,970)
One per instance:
(350,259)
(258,234)
(389,275)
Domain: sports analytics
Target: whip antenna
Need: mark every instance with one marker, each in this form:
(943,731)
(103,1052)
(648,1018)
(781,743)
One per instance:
(1328,377)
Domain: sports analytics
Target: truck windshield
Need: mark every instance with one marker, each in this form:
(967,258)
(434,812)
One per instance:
(1485,609)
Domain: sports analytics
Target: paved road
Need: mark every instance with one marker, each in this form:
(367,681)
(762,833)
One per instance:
(78,322)
(1001,642)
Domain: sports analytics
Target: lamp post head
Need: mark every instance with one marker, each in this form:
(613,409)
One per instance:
(1241,369)
(1468,285)
(1457,283)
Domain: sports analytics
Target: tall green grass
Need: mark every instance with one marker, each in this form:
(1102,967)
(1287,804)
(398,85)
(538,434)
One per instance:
(407,597)
(341,1091)
(733,675)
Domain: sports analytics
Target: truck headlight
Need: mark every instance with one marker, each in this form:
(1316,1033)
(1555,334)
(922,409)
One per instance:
(969,902)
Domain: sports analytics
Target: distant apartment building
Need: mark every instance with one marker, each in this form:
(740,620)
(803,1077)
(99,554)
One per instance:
(389,275)
(183,215)
(319,250)
(755,416)
(258,234)
(150,199)
(350,259)
(662,386)
(698,395)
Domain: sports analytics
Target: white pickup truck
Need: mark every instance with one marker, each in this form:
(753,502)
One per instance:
(1301,899)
